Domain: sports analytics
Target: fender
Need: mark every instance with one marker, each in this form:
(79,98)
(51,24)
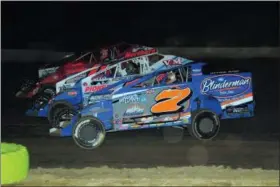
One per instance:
(206,102)
(55,104)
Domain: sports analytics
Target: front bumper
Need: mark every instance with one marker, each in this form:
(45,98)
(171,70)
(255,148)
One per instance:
(66,129)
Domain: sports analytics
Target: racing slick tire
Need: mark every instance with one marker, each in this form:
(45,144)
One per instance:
(62,117)
(205,125)
(14,163)
(89,133)
(173,134)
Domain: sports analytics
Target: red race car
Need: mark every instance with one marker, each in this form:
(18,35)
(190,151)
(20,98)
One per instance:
(49,75)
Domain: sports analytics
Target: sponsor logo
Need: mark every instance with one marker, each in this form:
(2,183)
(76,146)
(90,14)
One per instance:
(133,99)
(73,93)
(89,89)
(139,53)
(196,70)
(146,120)
(237,109)
(160,77)
(150,91)
(131,82)
(134,110)
(99,97)
(225,85)
(173,62)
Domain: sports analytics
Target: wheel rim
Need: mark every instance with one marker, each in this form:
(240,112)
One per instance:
(88,135)
(207,126)
(65,118)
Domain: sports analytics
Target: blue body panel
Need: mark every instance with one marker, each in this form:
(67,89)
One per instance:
(229,95)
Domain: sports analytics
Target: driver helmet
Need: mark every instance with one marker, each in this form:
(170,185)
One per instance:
(130,68)
(104,54)
(171,77)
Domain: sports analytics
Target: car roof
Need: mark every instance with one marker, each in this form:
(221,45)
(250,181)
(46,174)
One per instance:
(145,77)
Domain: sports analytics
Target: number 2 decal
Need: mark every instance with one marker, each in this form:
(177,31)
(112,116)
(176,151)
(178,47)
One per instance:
(173,97)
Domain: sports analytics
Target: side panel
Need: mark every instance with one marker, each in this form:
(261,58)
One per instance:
(233,91)
(150,106)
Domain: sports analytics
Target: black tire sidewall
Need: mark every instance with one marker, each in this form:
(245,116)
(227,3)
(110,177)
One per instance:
(193,127)
(59,112)
(94,121)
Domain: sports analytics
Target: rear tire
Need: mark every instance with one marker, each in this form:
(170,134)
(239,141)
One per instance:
(205,125)
(89,133)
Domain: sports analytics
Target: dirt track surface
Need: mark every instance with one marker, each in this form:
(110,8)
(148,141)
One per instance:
(145,149)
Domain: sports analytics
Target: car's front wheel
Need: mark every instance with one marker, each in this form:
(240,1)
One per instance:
(89,133)
(62,117)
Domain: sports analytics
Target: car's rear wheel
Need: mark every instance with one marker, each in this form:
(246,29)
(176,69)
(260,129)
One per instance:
(205,124)
(89,133)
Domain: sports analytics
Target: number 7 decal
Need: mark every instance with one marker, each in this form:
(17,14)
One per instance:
(170,98)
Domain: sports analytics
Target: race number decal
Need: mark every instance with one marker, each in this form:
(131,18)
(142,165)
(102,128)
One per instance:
(170,98)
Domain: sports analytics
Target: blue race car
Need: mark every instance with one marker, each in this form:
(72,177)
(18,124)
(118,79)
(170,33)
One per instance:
(186,96)
(64,105)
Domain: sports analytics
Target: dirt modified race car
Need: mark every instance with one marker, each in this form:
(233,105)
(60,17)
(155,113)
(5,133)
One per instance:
(51,74)
(185,96)
(77,95)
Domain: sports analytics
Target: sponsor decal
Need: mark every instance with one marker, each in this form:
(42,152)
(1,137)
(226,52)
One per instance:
(73,93)
(96,88)
(168,119)
(134,110)
(99,97)
(139,53)
(146,120)
(160,77)
(173,62)
(133,99)
(196,70)
(225,85)
(150,91)
(123,126)
(196,74)
(135,126)
(167,100)
(185,119)
(237,109)
(118,121)
(131,82)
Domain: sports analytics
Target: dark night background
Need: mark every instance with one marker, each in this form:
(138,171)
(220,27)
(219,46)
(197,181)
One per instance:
(77,26)
(81,25)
